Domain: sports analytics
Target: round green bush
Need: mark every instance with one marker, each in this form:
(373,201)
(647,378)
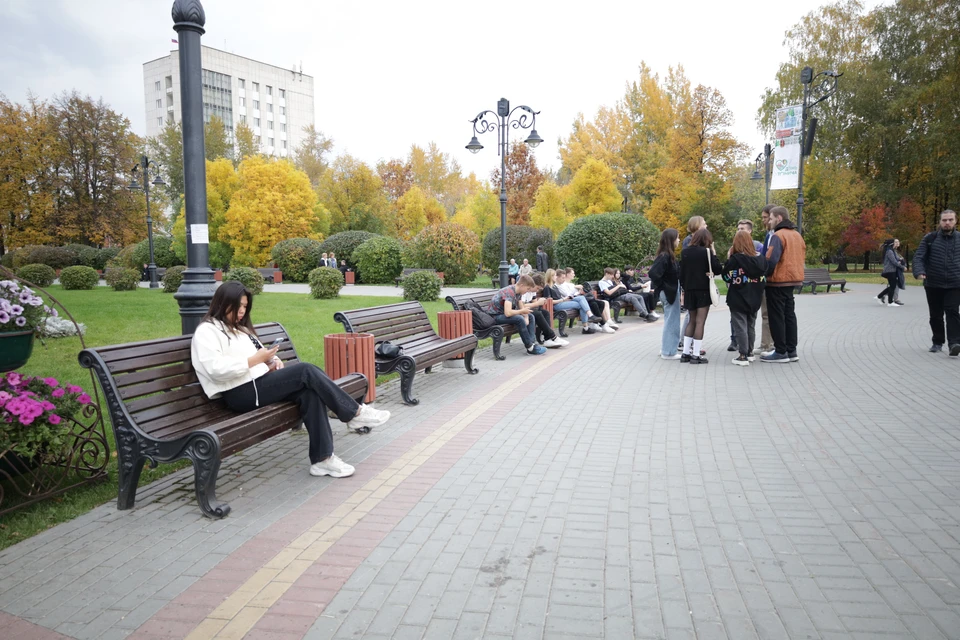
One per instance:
(325,282)
(379,260)
(344,243)
(163,254)
(172,278)
(87,257)
(122,279)
(6,259)
(593,242)
(449,248)
(522,242)
(39,274)
(296,258)
(124,259)
(423,286)
(56,257)
(248,276)
(79,277)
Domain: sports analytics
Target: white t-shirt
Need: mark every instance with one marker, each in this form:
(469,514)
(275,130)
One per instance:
(528,297)
(567,289)
(605,284)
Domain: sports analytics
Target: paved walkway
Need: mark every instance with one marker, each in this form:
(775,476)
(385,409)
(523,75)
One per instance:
(596,491)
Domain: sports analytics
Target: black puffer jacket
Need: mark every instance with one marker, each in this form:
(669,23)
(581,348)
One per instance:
(938,258)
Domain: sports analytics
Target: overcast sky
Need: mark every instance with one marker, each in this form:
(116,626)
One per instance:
(390,74)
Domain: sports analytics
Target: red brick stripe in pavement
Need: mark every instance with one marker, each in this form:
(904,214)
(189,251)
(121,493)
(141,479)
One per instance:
(14,628)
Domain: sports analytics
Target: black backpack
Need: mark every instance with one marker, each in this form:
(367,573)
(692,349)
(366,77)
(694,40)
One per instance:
(481,319)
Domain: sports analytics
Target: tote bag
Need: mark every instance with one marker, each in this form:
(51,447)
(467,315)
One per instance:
(714,291)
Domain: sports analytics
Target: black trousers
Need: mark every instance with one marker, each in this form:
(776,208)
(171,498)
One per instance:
(944,302)
(309,387)
(783,318)
(543,328)
(891,289)
(596,308)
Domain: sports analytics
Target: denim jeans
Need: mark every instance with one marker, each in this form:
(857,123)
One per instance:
(579,303)
(671,325)
(520,322)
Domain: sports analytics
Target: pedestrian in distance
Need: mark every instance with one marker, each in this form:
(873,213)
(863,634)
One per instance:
(513,272)
(937,263)
(231,363)
(526,268)
(696,263)
(893,268)
(665,278)
(542,260)
(786,257)
(745,274)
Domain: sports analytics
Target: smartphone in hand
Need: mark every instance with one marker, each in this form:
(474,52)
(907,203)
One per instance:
(276,343)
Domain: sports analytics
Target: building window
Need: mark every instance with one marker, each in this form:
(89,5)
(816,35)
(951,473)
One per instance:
(269,90)
(283,94)
(283,127)
(283,111)
(243,119)
(157,86)
(159,103)
(217,97)
(270,124)
(283,143)
(160,121)
(256,86)
(256,104)
(256,122)
(169,117)
(269,142)
(256,139)
(169,99)
(241,83)
(269,107)
(169,82)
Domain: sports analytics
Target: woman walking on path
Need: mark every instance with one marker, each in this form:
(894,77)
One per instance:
(665,279)
(893,267)
(696,261)
(745,273)
(231,363)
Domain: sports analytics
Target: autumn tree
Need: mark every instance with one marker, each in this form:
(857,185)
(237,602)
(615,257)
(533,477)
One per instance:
(548,210)
(274,202)
(216,139)
(222,182)
(246,145)
(311,154)
(414,211)
(907,223)
(166,149)
(479,212)
(592,190)
(523,178)
(353,194)
(397,177)
(867,233)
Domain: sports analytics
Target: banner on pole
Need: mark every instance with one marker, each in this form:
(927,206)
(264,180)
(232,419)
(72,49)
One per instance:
(786,165)
(789,121)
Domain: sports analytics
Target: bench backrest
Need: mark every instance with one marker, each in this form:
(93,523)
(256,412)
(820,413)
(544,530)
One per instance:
(816,274)
(157,383)
(482,299)
(399,324)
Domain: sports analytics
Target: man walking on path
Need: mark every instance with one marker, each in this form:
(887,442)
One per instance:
(542,265)
(786,256)
(937,263)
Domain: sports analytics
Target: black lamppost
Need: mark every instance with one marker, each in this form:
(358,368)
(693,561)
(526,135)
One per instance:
(826,88)
(481,125)
(764,159)
(196,290)
(145,167)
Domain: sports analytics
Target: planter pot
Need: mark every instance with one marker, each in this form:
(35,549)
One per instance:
(15,349)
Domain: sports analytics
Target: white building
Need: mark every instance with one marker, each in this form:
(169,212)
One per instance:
(275,103)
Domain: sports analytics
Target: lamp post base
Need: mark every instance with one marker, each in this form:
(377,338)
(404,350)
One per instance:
(504,274)
(194,296)
(152,276)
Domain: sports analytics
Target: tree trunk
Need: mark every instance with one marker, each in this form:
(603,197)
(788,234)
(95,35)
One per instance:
(866,261)
(842,263)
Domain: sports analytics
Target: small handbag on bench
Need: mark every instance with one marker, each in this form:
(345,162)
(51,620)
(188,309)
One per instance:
(387,350)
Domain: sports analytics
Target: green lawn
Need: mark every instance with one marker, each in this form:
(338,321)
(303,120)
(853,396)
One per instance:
(116,317)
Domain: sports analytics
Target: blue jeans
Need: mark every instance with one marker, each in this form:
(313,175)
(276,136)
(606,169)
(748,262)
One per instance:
(520,322)
(671,325)
(578,302)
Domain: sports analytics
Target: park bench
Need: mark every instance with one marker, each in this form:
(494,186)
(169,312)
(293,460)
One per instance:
(616,305)
(407,326)
(271,275)
(160,413)
(400,278)
(498,331)
(820,277)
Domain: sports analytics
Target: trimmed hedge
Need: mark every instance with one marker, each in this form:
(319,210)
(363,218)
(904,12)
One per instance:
(249,277)
(522,242)
(39,274)
(593,242)
(325,282)
(296,258)
(344,243)
(79,277)
(124,259)
(172,278)
(122,279)
(56,257)
(423,286)
(449,248)
(379,260)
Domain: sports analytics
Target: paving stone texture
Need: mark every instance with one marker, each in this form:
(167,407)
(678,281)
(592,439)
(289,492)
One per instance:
(594,492)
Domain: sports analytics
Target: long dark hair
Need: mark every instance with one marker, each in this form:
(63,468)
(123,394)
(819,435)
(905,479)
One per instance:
(226,305)
(668,240)
(702,238)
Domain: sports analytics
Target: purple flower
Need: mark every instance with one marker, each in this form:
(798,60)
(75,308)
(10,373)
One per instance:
(53,418)
(4,317)
(50,382)
(72,388)
(47,405)
(26,296)
(35,302)
(16,309)
(83,398)
(4,397)
(59,393)
(14,379)
(20,322)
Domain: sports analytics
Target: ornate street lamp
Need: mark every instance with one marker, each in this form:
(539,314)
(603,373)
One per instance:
(824,89)
(764,159)
(488,121)
(145,168)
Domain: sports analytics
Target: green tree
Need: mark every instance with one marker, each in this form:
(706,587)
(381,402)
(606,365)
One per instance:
(353,194)
(311,155)
(246,146)
(216,141)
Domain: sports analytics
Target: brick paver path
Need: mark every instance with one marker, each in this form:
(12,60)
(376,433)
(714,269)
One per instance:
(596,491)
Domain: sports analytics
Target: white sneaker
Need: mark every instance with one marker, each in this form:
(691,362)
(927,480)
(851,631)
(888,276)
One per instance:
(368,417)
(675,356)
(332,466)
(614,326)
(892,304)
(654,314)
(560,341)
(758,351)
(552,344)
(752,358)
(880,300)
(766,354)
(607,329)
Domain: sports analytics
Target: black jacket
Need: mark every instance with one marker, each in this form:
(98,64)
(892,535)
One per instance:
(665,277)
(746,277)
(632,284)
(542,261)
(551,292)
(938,258)
(694,267)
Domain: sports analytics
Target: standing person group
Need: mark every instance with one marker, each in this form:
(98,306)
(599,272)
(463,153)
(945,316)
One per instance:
(893,268)
(937,263)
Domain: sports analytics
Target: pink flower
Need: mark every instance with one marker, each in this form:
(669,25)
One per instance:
(73,389)
(14,379)
(83,398)
(58,393)
(47,405)
(4,396)
(53,418)
(50,382)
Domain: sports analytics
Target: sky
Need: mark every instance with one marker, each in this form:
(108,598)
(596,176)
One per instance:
(392,74)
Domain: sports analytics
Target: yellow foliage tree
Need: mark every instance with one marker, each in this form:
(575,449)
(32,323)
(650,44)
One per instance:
(675,193)
(222,183)
(414,211)
(548,211)
(592,190)
(274,202)
(479,211)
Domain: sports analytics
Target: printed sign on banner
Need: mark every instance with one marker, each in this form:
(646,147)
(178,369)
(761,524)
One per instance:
(786,166)
(789,121)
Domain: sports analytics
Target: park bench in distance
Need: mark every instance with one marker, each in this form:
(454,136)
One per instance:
(820,277)
(406,325)
(160,413)
(498,331)
(616,305)
(400,278)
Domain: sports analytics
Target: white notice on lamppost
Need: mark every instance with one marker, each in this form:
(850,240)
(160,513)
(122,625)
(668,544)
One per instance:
(199,234)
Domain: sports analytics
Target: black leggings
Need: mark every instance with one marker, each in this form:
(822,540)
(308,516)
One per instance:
(891,289)
(698,320)
(309,387)
(542,318)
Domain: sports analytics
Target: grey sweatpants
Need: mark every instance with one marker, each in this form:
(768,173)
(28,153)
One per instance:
(744,327)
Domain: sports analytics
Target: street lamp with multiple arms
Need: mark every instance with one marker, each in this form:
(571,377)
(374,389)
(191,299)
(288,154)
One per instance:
(764,159)
(824,89)
(488,121)
(145,168)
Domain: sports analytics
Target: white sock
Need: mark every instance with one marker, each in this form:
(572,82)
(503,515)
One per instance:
(696,347)
(687,345)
